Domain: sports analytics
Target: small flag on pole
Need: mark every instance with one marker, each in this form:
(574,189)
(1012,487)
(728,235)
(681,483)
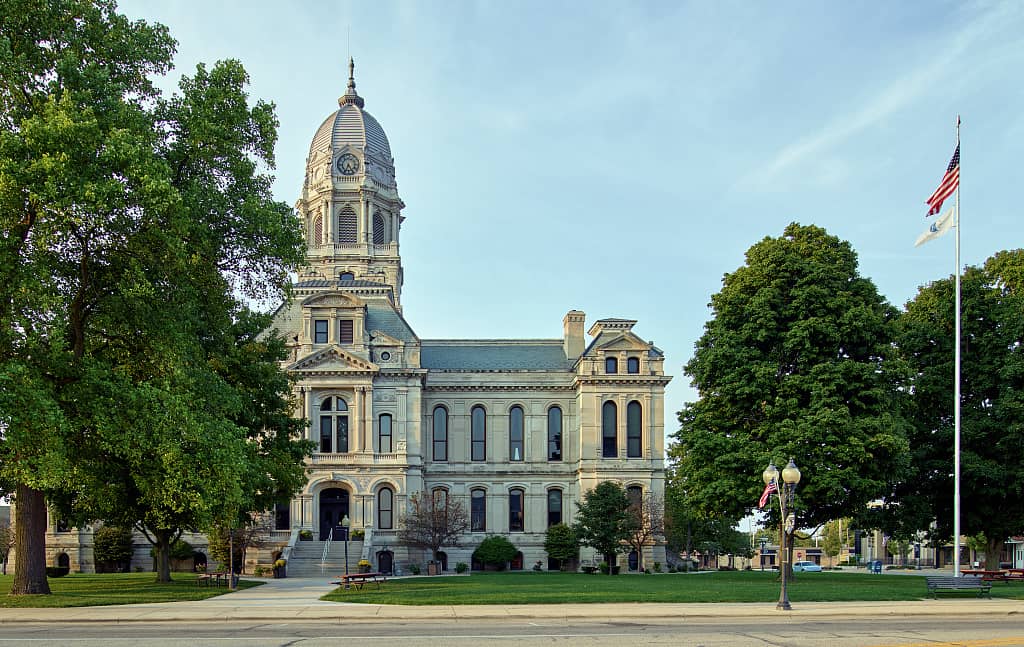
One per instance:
(768,489)
(937,229)
(948,185)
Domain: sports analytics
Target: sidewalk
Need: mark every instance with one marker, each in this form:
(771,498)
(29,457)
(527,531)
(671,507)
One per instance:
(295,599)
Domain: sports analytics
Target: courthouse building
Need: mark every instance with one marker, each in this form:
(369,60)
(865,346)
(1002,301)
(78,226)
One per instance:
(516,429)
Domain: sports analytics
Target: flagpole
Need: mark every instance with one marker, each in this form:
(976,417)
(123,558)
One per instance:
(956,386)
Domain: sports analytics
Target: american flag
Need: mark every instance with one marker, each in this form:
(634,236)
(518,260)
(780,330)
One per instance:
(950,181)
(768,489)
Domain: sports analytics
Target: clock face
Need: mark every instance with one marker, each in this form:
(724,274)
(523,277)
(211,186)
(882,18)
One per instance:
(348,164)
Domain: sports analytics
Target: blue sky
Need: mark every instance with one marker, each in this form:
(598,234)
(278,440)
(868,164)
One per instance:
(619,158)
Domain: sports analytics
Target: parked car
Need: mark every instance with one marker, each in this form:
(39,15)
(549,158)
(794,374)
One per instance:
(806,567)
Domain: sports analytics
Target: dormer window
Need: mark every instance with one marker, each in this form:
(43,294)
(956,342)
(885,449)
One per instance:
(345,331)
(633,365)
(346,276)
(611,365)
(319,331)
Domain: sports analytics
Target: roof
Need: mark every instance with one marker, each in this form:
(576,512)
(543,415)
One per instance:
(351,125)
(494,355)
(380,315)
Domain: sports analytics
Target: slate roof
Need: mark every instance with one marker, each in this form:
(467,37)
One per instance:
(381,316)
(494,355)
(324,283)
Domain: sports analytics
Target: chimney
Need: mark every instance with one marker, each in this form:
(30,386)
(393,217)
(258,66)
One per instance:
(572,327)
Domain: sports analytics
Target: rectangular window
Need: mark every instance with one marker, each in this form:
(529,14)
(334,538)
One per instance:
(345,331)
(319,331)
(515,510)
(384,435)
(326,429)
(342,434)
(282,516)
(478,511)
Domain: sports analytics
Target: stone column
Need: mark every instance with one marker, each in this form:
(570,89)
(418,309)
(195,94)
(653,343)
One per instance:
(356,432)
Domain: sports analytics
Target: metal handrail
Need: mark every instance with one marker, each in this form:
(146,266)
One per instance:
(327,549)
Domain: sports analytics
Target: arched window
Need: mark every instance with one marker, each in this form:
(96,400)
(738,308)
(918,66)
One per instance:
(516,509)
(555,434)
(333,426)
(515,433)
(633,365)
(635,494)
(385,504)
(384,434)
(440,498)
(347,226)
(478,510)
(478,434)
(611,365)
(318,231)
(346,276)
(380,234)
(440,434)
(609,430)
(554,507)
(634,423)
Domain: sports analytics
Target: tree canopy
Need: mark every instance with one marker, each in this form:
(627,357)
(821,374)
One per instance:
(797,360)
(131,225)
(992,407)
(433,522)
(603,520)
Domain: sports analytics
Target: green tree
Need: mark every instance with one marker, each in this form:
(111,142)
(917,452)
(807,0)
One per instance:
(646,523)
(112,547)
(131,226)
(834,536)
(496,551)
(603,521)
(560,543)
(992,407)
(797,360)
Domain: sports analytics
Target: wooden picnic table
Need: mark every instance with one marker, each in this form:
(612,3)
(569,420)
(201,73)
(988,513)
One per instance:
(988,576)
(1014,574)
(212,579)
(359,579)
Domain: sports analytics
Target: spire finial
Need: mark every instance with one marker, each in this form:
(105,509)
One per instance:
(351,96)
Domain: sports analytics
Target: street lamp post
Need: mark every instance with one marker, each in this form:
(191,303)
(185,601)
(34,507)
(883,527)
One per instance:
(345,524)
(787,520)
(764,544)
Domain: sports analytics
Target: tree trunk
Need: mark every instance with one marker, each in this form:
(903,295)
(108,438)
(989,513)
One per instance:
(30,546)
(163,556)
(993,548)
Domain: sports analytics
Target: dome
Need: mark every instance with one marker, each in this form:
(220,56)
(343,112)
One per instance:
(351,125)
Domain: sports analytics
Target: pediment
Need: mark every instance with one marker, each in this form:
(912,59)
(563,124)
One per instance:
(334,359)
(626,341)
(333,300)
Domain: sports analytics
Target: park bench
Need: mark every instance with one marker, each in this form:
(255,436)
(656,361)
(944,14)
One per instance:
(359,579)
(938,583)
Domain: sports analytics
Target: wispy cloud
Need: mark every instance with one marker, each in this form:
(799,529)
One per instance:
(898,94)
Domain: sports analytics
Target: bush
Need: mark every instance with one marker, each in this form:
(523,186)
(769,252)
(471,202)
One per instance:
(560,543)
(414,569)
(306,535)
(461,567)
(496,551)
(112,545)
(259,571)
(603,566)
(57,571)
(358,535)
(657,567)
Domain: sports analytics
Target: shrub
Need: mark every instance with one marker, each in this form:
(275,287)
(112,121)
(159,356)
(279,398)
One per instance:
(112,545)
(560,543)
(306,535)
(259,571)
(461,567)
(358,534)
(603,566)
(414,569)
(657,567)
(57,571)
(495,550)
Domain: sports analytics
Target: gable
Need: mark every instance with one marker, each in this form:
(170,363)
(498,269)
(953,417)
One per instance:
(332,359)
(623,342)
(332,300)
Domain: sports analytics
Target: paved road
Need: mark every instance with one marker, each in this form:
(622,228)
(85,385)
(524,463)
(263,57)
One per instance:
(779,632)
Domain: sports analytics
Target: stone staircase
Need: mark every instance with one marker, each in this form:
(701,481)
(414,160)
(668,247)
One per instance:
(305,560)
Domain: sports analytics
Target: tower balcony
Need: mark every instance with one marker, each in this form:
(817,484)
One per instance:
(356,459)
(355,249)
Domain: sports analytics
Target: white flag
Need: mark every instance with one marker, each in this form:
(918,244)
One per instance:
(938,228)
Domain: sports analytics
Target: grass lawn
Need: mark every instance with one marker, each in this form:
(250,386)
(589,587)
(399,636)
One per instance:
(91,590)
(553,588)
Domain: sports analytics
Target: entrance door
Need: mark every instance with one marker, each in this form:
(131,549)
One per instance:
(333,508)
(385,561)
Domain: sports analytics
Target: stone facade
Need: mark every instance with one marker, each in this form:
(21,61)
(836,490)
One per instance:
(516,429)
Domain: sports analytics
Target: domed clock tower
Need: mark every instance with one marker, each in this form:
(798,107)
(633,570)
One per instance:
(350,208)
